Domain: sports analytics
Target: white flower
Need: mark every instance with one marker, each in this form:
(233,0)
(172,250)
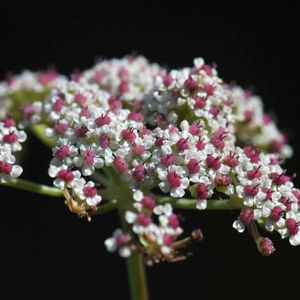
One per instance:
(88,193)
(119,241)
(65,177)
(289,229)
(173,180)
(89,159)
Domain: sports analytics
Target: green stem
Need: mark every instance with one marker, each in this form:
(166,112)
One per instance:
(33,187)
(137,277)
(212,204)
(135,268)
(39,132)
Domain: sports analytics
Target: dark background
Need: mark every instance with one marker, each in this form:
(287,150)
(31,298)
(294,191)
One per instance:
(44,247)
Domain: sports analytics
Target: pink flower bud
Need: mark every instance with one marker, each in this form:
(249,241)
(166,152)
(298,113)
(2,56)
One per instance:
(66,175)
(90,191)
(202,191)
(128,135)
(191,84)
(148,202)
(104,140)
(168,159)
(266,247)
(143,220)
(139,172)
(5,167)
(213,162)
(246,216)
(62,152)
(292,226)
(193,165)
(120,164)
(173,221)
(103,120)
(174,179)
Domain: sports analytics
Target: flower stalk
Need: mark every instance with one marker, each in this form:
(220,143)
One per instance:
(37,188)
(137,277)
(190,204)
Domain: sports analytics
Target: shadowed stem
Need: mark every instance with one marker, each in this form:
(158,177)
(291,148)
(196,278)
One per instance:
(137,277)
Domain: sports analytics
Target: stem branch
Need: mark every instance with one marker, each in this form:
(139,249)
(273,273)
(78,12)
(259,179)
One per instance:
(33,187)
(213,204)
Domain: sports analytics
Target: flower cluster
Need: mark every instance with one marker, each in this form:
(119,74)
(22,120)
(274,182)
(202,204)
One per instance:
(254,126)
(190,94)
(268,194)
(73,110)
(157,229)
(127,79)
(126,132)
(157,238)
(10,142)
(21,95)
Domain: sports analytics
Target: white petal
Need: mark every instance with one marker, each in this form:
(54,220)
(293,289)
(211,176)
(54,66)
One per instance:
(167,209)
(130,216)
(239,190)
(78,161)
(59,183)
(283,232)
(238,225)
(269,225)
(209,149)
(185,183)
(158,210)
(184,125)
(110,244)
(257,214)
(98,163)
(198,62)
(201,204)
(224,169)
(16,171)
(49,132)
(165,250)
(276,196)
(295,239)
(22,136)
(163,220)
(177,192)
(248,201)
(124,252)
(88,170)
(52,171)
(94,201)
(281,222)
(164,186)
(138,195)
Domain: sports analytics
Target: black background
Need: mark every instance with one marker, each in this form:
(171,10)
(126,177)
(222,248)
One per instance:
(45,248)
